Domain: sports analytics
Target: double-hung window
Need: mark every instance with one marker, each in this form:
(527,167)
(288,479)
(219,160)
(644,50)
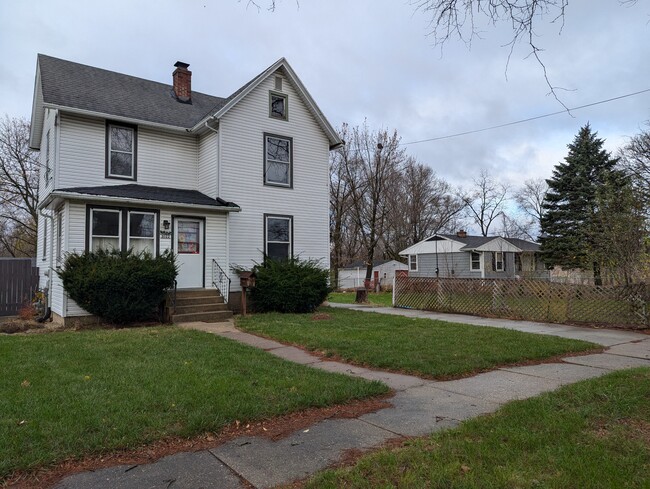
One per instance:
(122,229)
(121,152)
(48,157)
(278,160)
(105,229)
(413,263)
(499,261)
(142,232)
(279,237)
(475,261)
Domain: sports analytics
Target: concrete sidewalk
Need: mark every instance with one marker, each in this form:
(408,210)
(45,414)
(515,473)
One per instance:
(419,407)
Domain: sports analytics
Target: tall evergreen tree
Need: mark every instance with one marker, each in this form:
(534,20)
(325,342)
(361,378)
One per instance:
(571,205)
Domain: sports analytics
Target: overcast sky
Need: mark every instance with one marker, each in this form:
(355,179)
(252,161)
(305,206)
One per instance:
(365,59)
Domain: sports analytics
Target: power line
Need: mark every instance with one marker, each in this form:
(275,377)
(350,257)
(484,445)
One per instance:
(521,121)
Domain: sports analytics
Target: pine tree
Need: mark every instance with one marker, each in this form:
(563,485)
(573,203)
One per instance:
(571,205)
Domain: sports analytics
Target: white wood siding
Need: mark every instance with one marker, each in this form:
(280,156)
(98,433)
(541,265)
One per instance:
(45,187)
(208,154)
(242,167)
(167,159)
(75,243)
(163,159)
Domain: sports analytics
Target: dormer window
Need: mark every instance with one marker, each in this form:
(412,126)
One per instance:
(278,106)
(121,151)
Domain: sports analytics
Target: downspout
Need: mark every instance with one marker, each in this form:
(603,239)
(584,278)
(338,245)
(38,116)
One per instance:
(50,269)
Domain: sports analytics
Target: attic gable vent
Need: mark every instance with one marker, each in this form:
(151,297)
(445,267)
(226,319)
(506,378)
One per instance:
(278,83)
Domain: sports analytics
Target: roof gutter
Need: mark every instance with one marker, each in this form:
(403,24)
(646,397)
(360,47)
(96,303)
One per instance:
(105,198)
(103,115)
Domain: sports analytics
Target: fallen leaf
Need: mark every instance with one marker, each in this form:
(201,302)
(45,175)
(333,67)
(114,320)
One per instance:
(25,383)
(306,431)
(464,469)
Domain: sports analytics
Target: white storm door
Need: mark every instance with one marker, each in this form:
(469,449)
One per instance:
(188,245)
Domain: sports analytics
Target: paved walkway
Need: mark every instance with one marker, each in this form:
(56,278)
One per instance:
(419,407)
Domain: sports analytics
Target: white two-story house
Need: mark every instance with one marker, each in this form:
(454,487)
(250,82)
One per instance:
(134,163)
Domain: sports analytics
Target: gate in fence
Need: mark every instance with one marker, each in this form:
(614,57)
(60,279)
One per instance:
(534,300)
(18,282)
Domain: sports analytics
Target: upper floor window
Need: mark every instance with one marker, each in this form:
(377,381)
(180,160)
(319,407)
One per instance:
(413,263)
(278,160)
(121,152)
(278,106)
(279,237)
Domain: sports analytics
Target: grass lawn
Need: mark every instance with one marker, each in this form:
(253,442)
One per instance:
(375,298)
(595,434)
(420,346)
(71,394)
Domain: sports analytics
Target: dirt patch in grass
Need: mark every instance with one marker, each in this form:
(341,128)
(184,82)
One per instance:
(321,316)
(274,429)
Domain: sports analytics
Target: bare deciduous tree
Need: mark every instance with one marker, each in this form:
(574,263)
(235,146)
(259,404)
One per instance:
(18,189)
(421,204)
(530,199)
(635,162)
(485,201)
(370,166)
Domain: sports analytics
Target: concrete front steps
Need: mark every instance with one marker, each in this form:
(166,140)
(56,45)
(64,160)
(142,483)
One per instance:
(198,305)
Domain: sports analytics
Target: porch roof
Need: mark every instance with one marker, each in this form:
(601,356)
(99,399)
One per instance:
(147,194)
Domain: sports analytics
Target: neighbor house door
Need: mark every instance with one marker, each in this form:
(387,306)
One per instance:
(188,246)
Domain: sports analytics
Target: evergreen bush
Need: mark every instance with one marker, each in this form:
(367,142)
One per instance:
(119,286)
(291,286)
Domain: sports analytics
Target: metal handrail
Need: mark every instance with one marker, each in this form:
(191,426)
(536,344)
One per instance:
(220,280)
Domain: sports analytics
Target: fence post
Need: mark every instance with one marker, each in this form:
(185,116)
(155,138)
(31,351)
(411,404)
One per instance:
(394,289)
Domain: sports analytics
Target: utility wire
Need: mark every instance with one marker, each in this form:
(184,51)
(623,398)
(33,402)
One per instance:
(529,119)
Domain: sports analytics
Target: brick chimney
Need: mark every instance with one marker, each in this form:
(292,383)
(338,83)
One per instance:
(182,82)
(461,234)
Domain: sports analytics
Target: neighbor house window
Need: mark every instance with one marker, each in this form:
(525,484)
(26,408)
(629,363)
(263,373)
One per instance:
(475,261)
(278,106)
(279,237)
(499,261)
(121,152)
(142,232)
(105,227)
(277,160)
(518,264)
(413,263)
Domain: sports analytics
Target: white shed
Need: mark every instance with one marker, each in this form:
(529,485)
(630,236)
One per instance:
(353,275)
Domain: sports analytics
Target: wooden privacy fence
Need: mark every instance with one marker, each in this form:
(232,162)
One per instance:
(534,300)
(18,282)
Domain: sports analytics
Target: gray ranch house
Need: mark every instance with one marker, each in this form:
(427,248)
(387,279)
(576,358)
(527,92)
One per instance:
(463,256)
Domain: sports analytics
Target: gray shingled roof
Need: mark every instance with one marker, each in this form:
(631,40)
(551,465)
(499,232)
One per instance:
(145,192)
(85,87)
(472,242)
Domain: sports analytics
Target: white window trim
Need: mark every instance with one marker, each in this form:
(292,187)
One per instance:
(119,228)
(289,163)
(480,261)
(411,269)
(111,150)
(152,238)
(267,241)
(496,261)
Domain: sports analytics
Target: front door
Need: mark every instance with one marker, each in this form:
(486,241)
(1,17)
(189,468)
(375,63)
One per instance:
(188,245)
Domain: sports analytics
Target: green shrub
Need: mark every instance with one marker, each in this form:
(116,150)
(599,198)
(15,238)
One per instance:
(292,285)
(119,286)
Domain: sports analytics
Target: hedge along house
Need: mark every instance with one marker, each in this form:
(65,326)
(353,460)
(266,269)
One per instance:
(462,256)
(132,163)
